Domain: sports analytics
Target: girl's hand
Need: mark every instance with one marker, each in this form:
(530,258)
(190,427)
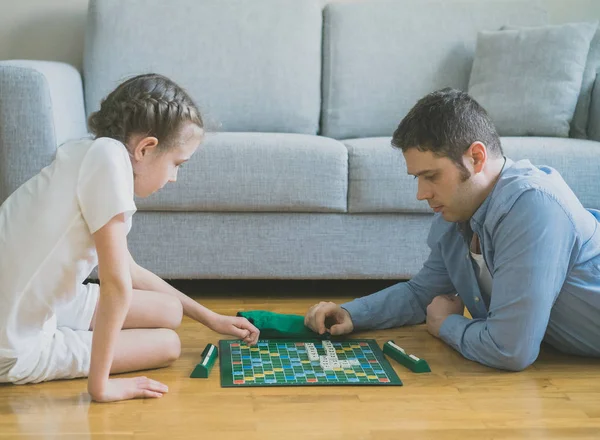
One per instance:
(236,326)
(129,388)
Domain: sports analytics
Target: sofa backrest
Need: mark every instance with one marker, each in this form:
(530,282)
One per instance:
(251,65)
(380,57)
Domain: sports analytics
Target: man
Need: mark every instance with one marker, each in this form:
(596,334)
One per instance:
(511,242)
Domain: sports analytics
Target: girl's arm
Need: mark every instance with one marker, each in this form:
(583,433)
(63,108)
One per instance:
(143,279)
(113,304)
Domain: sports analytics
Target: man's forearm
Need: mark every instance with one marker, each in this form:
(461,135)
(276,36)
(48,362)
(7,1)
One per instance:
(143,279)
(404,303)
(391,307)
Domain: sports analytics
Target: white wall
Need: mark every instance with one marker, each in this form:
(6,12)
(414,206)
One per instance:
(54,29)
(42,29)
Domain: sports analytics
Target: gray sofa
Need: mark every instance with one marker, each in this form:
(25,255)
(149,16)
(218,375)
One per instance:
(297,179)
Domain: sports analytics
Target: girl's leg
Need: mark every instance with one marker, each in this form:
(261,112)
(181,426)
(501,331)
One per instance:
(67,355)
(143,349)
(147,340)
(151,310)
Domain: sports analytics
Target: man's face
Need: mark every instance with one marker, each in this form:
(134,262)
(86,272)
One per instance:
(447,188)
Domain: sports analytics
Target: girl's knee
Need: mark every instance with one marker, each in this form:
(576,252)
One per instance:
(173,313)
(171,345)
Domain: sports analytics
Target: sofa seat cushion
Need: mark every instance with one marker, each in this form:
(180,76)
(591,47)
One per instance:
(378,181)
(576,160)
(259,172)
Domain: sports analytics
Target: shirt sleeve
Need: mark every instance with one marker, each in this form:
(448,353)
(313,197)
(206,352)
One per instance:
(404,303)
(534,246)
(105,184)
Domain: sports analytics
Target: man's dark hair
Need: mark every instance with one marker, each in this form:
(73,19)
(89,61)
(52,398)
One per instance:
(446,122)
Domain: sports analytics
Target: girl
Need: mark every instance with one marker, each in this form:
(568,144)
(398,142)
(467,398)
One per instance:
(75,214)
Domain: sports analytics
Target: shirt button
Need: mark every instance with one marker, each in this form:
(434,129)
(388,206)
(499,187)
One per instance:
(477,299)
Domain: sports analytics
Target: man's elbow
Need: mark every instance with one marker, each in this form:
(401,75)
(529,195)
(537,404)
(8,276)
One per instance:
(518,361)
(517,364)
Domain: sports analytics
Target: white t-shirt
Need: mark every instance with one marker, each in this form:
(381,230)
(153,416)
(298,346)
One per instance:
(46,244)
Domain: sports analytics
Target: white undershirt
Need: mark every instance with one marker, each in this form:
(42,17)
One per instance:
(484,278)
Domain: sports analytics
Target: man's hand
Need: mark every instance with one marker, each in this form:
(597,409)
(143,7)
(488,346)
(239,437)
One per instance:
(236,326)
(328,316)
(440,308)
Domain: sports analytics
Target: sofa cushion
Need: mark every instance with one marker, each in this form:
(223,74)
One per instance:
(579,125)
(594,120)
(250,65)
(380,57)
(378,181)
(529,79)
(259,172)
(575,159)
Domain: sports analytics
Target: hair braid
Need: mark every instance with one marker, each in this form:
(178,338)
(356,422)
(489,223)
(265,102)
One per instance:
(149,104)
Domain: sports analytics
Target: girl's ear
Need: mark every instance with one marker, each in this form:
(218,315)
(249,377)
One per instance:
(143,147)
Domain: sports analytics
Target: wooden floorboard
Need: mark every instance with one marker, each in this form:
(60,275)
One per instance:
(557,398)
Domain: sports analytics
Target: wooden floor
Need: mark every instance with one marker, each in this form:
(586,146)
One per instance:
(557,398)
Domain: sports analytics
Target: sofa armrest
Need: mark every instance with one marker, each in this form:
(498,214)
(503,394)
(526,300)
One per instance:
(594,121)
(41,107)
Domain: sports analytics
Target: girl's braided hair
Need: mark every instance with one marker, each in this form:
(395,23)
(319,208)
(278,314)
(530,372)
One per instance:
(149,104)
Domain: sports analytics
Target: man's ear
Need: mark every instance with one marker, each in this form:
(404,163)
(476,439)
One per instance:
(144,147)
(476,155)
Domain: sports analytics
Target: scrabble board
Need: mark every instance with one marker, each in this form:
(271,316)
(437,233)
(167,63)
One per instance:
(304,363)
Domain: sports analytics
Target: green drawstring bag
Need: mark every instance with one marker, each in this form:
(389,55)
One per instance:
(280,326)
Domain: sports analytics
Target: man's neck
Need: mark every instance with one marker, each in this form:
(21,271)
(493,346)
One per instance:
(486,184)
(491,174)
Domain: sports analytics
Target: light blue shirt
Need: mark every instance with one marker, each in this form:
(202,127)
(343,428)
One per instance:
(542,248)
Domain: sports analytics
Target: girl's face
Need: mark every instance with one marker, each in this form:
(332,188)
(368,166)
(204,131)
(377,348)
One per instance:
(153,169)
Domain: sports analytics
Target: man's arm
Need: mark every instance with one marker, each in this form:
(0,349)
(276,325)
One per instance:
(533,248)
(404,303)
